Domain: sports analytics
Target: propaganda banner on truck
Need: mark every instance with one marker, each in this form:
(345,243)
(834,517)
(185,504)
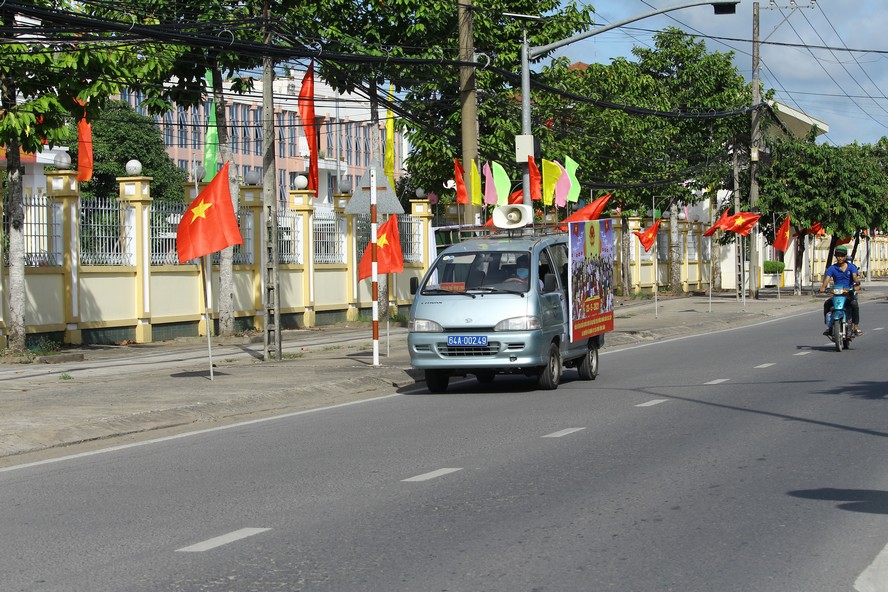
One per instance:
(591,278)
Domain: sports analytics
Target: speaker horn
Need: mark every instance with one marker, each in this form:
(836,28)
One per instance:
(512,216)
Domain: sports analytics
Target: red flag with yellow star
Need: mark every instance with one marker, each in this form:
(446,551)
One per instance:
(741,222)
(209,223)
(648,237)
(781,239)
(388,251)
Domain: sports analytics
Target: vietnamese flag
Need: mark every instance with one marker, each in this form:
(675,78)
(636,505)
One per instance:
(648,237)
(590,211)
(781,239)
(388,251)
(719,224)
(741,222)
(307,115)
(209,223)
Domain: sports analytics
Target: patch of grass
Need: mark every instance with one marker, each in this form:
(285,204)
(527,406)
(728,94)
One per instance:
(65,376)
(293,356)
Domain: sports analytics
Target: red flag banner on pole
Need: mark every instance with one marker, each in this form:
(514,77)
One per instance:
(590,211)
(741,222)
(459,176)
(648,237)
(389,258)
(536,180)
(84,146)
(209,223)
(719,224)
(307,115)
(781,239)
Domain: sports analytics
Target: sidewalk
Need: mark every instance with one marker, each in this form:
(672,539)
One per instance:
(94,394)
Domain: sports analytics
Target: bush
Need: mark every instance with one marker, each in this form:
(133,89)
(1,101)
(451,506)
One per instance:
(773,267)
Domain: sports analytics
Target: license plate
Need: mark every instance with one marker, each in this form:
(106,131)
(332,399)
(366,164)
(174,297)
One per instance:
(467,340)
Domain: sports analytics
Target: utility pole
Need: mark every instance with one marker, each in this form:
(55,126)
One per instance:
(754,148)
(271,294)
(468,100)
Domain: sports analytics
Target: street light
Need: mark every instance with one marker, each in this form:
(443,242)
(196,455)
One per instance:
(528,53)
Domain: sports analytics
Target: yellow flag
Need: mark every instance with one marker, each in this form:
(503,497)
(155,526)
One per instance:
(389,165)
(475,191)
(551,173)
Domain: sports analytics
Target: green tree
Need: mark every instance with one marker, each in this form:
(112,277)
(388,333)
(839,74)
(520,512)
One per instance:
(119,134)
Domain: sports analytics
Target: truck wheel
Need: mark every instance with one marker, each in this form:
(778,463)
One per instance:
(588,366)
(550,375)
(437,380)
(837,335)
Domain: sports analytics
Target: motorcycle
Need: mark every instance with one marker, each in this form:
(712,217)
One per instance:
(838,322)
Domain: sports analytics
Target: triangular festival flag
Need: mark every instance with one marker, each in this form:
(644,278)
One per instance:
(475,178)
(307,115)
(489,187)
(459,176)
(389,258)
(551,173)
(571,166)
(501,182)
(562,187)
(211,145)
(536,180)
(209,223)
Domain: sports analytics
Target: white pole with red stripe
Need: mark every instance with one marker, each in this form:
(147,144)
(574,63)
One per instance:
(374,267)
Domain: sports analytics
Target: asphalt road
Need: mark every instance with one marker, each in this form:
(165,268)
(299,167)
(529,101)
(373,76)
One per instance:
(746,460)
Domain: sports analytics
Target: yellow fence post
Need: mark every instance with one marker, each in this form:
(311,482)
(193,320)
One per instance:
(64,187)
(136,190)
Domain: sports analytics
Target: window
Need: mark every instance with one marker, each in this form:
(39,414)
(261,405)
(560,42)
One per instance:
(258,132)
(234,128)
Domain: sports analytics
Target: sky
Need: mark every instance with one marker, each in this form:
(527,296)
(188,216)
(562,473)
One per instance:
(846,90)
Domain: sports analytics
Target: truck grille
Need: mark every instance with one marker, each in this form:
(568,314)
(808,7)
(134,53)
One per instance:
(467,352)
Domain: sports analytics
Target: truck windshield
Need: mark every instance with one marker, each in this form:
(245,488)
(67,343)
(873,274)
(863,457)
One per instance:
(480,271)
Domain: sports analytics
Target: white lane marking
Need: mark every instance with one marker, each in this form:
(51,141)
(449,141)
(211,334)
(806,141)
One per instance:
(875,577)
(432,475)
(768,365)
(803,353)
(195,433)
(652,403)
(563,432)
(877,328)
(222,540)
(717,381)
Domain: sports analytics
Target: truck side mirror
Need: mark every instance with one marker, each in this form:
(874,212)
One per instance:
(414,285)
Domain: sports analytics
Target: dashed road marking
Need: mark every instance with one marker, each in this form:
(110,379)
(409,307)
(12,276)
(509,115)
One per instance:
(222,540)
(717,381)
(563,432)
(878,328)
(803,353)
(875,577)
(768,365)
(432,475)
(652,403)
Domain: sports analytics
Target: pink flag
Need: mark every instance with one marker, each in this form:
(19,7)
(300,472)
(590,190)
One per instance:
(490,196)
(562,187)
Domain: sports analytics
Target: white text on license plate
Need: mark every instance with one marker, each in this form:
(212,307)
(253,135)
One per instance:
(467,340)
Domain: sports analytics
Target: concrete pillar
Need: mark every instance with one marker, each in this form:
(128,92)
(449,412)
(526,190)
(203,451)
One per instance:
(251,197)
(137,192)
(301,202)
(64,187)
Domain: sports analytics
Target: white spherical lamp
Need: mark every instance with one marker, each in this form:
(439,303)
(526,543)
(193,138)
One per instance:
(133,168)
(420,193)
(62,160)
(301,182)
(252,178)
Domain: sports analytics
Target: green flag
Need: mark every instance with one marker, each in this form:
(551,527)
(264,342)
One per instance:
(211,145)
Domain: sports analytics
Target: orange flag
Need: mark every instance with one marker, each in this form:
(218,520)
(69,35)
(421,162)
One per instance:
(536,180)
(459,175)
(307,116)
(649,236)
(741,222)
(84,146)
(719,224)
(209,223)
(388,251)
(781,239)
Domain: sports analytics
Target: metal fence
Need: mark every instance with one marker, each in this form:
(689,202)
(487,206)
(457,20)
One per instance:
(42,230)
(409,233)
(289,236)
(107,232)
(329,231)
(165,217)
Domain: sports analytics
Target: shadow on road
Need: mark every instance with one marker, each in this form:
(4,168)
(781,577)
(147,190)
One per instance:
(868,501)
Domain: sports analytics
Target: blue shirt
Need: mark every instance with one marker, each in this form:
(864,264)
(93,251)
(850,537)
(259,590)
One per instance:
(842,277)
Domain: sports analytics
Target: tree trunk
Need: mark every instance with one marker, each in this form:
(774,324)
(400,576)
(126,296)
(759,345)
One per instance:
(674,251)
(226,261)
(16,321)
(625,263)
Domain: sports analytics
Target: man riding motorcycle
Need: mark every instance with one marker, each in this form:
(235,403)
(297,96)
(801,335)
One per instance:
(843,272)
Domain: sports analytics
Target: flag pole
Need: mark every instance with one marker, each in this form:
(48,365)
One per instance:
(374,267)
(656,262)
(206,275)
(779,275)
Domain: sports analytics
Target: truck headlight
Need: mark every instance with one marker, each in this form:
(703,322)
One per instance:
(424,326)
(528,323)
